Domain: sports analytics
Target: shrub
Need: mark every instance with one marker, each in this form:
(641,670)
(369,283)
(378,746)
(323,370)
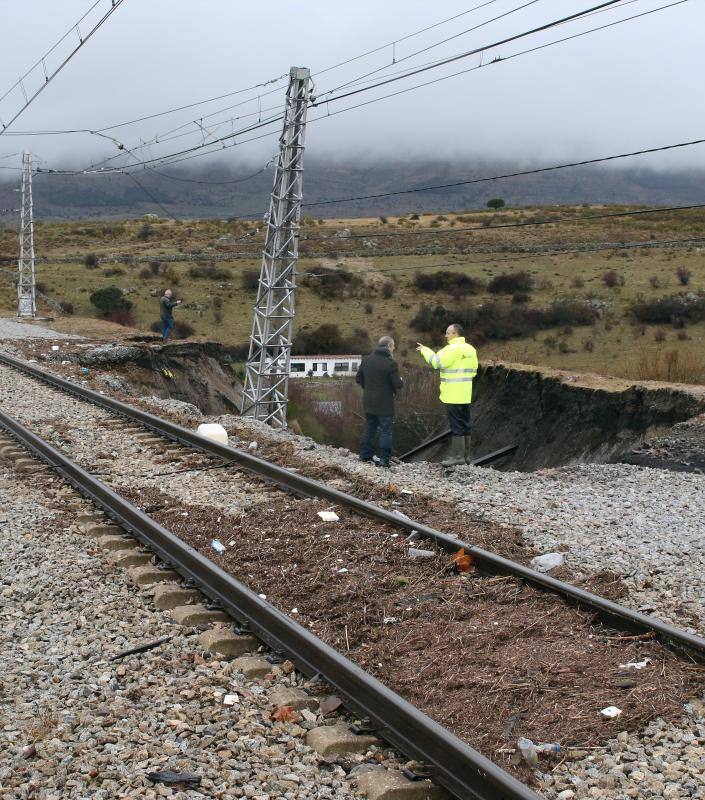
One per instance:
(452,282)
(655,282)
(577,282)
(155,267)
(388,290)
(328,340)
(110,299)
(684,275)
(145,274)
(90,261)
(519,298)
(67,308)
(210,272)
(112,271)
(182,330)
(611,279)
(682,336)
(369,308)
(495,203)
(413,216)
(383,220)
(660,336)
(511,282)
(41,287)
(121,316)
(504,321)
(249,280)
(332,283)
(588,345)
(670,309)
(144,232)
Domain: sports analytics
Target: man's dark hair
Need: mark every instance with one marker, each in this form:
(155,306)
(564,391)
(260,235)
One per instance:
(457,328)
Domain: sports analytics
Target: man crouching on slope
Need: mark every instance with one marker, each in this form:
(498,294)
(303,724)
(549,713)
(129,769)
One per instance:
(457,363)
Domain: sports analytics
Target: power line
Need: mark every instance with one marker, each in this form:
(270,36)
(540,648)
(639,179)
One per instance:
(525,224)
(48,77)
(536,171)
(475,51)
(432,46)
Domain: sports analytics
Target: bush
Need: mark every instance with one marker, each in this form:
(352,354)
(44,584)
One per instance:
(456,283)
(383,220)
(41,287)
(502,321)
(182,330)
(90,261)
(655,282)
(611,279)
(144,232)
(369,308)
(121,316)
(660,336)
(145,274)
(670,309)
(67,308)
(511,282)
(332,283)
(519,298)
(577,282)
(495,203)
(249,280)
(388,290)
(155,267)
(328,340)
(109,300)
(210,272)
(684,275)
(113,271)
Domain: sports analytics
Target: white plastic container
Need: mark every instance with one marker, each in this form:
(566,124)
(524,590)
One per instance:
(214,432)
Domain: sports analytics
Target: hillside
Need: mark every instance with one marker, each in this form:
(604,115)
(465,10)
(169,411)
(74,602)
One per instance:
(573,306)
(197,193)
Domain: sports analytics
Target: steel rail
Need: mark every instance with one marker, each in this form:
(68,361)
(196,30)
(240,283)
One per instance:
(455,765)
(616,615)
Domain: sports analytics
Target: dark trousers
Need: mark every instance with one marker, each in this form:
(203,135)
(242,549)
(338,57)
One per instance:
(373,424)
(459,418)
(167,325)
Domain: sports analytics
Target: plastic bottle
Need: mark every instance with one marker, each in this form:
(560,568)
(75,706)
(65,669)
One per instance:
(548,748)
(528,751)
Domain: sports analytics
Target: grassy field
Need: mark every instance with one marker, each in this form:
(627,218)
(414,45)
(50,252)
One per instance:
(219,307)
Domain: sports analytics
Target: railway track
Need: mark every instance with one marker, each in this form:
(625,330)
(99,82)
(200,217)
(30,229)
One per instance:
(462,770)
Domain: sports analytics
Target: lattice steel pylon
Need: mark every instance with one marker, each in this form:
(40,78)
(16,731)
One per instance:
(266,392)
(26,300)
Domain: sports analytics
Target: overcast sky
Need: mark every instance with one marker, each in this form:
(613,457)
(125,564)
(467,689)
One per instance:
(631,86)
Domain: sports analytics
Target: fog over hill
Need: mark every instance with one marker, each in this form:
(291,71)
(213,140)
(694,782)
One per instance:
(198,193)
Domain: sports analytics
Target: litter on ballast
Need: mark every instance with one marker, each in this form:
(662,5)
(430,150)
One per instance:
(342,570)
(611,712)
(547,562)
(55,347)
(406,491)
(231,700)
(262,596)
(390,620)
(218,546)
(328,516)
(636,664)
(416,553)
(252,446)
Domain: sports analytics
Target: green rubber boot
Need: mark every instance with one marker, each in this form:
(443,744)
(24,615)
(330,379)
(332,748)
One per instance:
(457,452)
(468,460)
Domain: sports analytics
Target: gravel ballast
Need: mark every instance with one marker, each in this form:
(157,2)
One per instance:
(642,520)
(75,724)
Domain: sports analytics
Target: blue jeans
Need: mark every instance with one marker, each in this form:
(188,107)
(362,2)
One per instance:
(374,423)
(167,325)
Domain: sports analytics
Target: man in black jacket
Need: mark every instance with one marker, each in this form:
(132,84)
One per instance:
(379,377)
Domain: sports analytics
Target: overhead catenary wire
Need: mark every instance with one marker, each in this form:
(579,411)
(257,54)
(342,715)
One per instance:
(49,77)
(475,51)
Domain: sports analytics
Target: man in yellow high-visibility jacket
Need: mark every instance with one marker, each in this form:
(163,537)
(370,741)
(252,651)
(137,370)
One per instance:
(457,363)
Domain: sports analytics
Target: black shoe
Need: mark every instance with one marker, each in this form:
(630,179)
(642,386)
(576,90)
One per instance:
(366,460)
(384,464)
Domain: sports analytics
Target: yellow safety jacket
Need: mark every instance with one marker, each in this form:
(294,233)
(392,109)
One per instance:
(457,362)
